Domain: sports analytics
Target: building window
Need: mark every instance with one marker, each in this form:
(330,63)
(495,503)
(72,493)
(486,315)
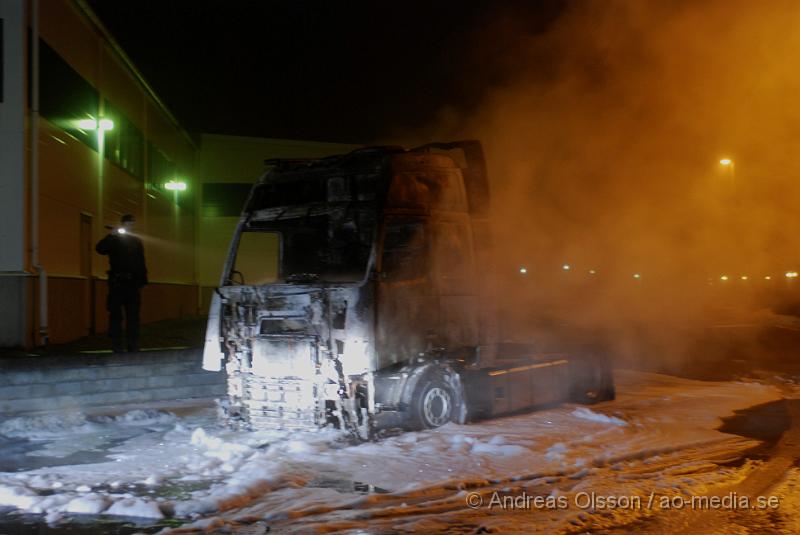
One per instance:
(160,168)
(124,144)
(65,97)
(224,199)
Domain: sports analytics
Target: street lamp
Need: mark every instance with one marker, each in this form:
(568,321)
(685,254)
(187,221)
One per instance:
(726,161)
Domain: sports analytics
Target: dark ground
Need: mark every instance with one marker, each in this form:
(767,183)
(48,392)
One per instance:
(166,334)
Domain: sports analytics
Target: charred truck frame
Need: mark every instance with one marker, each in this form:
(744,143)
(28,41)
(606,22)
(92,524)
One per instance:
(358,291)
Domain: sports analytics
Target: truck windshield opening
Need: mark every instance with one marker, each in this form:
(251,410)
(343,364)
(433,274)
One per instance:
(334,247)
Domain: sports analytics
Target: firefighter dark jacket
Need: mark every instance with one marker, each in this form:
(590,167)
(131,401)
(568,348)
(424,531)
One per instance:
(125,257)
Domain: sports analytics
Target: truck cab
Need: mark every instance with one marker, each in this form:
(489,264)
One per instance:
(358,292)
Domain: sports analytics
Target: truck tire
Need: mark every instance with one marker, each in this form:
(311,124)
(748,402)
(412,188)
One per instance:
(433,404)
(595,385)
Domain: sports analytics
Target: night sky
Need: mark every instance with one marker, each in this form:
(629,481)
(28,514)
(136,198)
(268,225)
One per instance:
(318,70)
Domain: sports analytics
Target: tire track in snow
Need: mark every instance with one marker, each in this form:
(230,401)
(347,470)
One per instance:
(442,506)
(760,482)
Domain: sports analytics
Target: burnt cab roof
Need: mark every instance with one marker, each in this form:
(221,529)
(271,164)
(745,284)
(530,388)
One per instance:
(371,163)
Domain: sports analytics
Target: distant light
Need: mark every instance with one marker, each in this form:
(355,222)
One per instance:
(106,124)
(592,272)
(523,270)
(121,230)
(726,161)
(791,274)
(174,185)
(637,276)
(744,277)
(767,278)
(566,267)
(723,278)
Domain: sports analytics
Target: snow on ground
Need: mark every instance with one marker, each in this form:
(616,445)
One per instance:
(658,436)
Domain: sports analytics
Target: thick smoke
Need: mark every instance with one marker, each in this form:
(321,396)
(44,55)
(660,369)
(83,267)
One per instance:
(604,146)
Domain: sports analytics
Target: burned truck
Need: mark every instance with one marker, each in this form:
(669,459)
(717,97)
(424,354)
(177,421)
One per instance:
(358,292)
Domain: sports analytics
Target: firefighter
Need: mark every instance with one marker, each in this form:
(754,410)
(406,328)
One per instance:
(126,275)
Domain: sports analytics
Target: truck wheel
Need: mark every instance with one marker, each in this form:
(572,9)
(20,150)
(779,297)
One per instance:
(433,405)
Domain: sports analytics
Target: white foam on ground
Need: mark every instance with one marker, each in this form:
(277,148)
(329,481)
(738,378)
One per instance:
(135,507)
(271,474)
(90,504)
(588,414)
(47,426)
(141,417)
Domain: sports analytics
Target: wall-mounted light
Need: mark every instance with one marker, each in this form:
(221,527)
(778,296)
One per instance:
(93,124)
(174,185)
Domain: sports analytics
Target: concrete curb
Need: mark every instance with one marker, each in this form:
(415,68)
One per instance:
(75,382)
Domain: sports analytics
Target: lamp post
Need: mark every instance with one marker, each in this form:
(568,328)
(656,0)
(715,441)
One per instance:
(729,165)
(735,209)
(101,126)
(175,186)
